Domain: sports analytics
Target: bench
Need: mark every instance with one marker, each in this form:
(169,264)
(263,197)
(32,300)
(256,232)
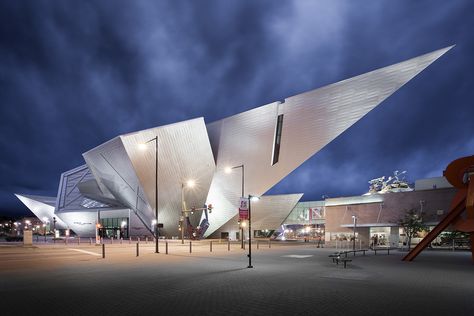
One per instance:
(354,251)
(336,255)
(383,249)
(344,260)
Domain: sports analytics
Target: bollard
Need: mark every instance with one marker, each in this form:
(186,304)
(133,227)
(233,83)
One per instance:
(103,251)
(146,240)
(453,244)
(121,240)
(190,247)
(243,245)
(228,245)
(138,251)
(166,246)
(129,240)
(210,246)
(90,240)
(257,244)
(111,240)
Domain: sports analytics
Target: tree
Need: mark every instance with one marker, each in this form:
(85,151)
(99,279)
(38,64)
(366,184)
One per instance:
(412,224)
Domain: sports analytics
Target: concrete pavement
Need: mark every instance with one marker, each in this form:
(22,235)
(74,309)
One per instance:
(288,279)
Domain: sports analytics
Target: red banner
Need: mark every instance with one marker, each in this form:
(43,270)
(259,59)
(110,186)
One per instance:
(243,209)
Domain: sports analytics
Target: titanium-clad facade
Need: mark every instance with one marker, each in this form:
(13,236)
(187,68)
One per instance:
(267,214)
(269,141)
(310,121)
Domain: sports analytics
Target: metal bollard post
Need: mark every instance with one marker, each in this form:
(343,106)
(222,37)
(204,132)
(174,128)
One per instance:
(210,246)
(146,240)
(257,244)
(166,246)
(190,247)
(138,249)
(244,244)
(112,240)
(129,240)
(228,245)
(121,240)
(103,251)
(453,244)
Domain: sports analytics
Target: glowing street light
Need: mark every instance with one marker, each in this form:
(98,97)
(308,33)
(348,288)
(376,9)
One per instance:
(144,146)
(229,170)
(189,184)
(354,218)
(255,199)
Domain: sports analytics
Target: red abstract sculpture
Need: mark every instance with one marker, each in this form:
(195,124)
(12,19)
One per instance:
(460,173)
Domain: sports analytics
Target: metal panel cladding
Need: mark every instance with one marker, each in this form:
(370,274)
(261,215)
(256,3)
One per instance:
(267,213)
(310,121)
(43,208)
(184,153)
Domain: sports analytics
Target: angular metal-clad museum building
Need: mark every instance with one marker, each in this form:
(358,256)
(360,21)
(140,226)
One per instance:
(125,180)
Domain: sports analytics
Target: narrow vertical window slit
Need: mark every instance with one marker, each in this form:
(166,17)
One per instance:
(276,145)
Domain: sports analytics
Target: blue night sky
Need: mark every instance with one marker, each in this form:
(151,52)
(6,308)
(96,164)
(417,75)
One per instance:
(74,74)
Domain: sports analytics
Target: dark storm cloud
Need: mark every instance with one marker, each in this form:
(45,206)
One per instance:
(74,74)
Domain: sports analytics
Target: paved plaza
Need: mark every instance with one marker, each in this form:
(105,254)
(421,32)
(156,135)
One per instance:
(287,279)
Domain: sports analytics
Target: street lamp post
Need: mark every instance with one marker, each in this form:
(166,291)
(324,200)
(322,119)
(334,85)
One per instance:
(251,197)
(229,170)
(45,223)
(157,231)
(189,184)
(54,229)
(354,218)
(181,219)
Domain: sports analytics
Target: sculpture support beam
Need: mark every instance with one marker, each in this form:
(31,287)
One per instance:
(460,173)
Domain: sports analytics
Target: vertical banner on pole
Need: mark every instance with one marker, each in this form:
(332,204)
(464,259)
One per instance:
(243,209)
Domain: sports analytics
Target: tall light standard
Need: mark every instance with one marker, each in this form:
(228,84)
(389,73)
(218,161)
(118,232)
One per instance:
(45,223)
(354,218)
(54,229)
(251,198)
(189,184)
(143,147)
(229,170)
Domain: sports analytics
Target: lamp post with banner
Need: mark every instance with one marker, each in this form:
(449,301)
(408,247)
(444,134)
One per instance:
(229,170)
(245,214)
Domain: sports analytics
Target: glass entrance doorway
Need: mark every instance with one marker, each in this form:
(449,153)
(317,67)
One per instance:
(114,227)
(379,237)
